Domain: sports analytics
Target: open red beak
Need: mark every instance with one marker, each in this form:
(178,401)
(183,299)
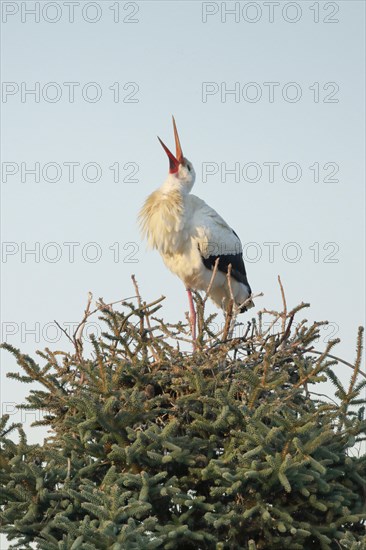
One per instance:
(178,148)
(174,161)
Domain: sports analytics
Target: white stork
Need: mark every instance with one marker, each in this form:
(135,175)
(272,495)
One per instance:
(191,236)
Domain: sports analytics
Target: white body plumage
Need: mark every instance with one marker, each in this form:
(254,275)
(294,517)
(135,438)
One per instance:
(190,235)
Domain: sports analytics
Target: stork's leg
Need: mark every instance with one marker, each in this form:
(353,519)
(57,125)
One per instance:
(192,316)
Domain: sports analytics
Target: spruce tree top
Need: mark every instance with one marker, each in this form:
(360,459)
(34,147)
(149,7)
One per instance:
(153,446)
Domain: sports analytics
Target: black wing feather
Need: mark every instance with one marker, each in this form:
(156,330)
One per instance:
(237,265)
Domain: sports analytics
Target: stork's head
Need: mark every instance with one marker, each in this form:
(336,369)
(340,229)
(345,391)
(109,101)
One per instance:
(181,171)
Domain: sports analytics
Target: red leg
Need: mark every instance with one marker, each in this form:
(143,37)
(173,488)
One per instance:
(192,316)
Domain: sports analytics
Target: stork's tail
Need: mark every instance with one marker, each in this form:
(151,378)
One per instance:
(246,305)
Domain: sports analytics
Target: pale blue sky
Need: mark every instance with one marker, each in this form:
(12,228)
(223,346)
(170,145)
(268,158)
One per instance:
(168,54)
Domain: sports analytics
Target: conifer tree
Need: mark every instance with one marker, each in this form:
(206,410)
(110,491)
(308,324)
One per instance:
(151,446)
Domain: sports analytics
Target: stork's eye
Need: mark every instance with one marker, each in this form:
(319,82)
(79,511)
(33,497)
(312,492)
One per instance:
(189,168)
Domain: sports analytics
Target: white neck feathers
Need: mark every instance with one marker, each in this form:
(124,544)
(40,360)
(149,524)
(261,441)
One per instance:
(162,218)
